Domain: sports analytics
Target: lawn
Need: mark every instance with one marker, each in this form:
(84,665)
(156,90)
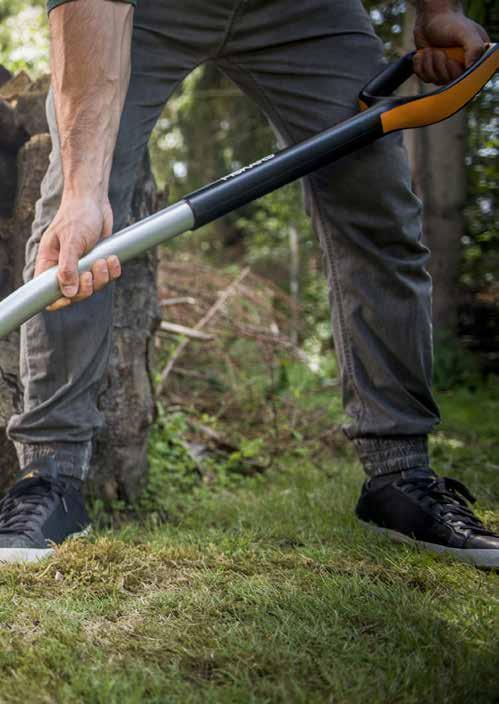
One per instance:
(262,589)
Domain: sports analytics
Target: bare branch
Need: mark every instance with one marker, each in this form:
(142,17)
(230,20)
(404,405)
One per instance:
(192,333)
(219,303)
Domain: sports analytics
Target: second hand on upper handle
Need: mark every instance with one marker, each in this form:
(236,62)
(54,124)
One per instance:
(420,110)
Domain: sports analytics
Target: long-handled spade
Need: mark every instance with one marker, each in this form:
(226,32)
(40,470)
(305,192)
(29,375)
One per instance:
(381,113)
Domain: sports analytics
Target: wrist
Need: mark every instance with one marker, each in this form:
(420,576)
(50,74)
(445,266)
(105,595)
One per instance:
(86,172)
(82,198)
(84,187)
(86,155)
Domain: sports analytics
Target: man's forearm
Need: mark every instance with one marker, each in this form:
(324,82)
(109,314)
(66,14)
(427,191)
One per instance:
(90,61)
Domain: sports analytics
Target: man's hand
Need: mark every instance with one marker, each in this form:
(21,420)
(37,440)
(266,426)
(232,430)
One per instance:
(79,224)
(442,23)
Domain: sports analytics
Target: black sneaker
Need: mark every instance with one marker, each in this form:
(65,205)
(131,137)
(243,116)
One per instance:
(420,508)
(37,513)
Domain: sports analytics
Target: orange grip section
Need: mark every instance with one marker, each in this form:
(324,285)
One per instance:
(445,102)
(455,52)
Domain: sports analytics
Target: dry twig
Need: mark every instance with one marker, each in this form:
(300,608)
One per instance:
(219,303)
(185,331)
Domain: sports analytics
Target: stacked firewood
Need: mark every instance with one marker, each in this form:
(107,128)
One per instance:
(24,155)
(120,463)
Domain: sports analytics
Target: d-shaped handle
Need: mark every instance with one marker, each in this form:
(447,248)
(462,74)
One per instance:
(418,111)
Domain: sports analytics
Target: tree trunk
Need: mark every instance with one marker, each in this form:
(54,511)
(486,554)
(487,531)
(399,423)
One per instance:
(440,179)
(119,466)
(437,155)
(413,85)
(294,280)
(120,455)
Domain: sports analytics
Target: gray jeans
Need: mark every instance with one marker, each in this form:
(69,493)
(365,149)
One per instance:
(304,68)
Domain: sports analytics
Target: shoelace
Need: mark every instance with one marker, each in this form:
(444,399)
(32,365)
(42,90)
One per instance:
(451,497)
(26,501)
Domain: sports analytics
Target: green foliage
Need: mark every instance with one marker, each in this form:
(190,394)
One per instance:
(472,414)
(480,266)
(172,469)
(177,481)
(387,17)
(485,12)
(453,365)
(467,446)
(24,36)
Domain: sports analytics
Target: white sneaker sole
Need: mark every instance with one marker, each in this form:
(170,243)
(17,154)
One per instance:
(17,555)
(479,558)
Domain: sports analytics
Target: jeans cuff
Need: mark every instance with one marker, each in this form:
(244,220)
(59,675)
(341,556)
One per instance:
(384,455)
(70,459)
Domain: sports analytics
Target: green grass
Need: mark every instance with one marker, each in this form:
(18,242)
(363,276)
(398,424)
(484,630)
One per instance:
(261,589)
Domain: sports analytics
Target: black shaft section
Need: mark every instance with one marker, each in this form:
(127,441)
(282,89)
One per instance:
(276,170)
(385,83)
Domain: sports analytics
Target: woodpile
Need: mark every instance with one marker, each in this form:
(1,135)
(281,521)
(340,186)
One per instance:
(120,461)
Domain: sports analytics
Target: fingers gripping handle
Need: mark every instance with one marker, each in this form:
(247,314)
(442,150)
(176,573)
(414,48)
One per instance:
(456,53)
(418,111)
(395,74)
(38,293)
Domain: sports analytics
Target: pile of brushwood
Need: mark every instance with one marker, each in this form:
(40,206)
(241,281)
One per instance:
(225,358)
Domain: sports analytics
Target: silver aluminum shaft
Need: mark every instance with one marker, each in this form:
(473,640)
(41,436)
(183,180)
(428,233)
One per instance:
(43,290)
